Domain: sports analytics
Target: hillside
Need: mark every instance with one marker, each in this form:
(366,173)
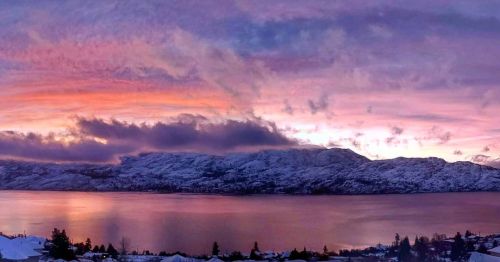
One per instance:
(294,171)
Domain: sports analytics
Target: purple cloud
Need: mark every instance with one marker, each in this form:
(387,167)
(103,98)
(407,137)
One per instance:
(187,133)
(190,133)
(46,148)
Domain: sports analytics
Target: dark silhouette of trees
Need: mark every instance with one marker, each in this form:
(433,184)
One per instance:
(255,252)
(95,249)
(254,255)
(438,243)
(215,249)
(482,249)
(102,249)
(60,248)
(256,246)
(124,246)
(394,249)
(397,238)
(111,250)
(306,255)
(458,250)
(88,245)
(303,255)
(294,255)
(79,248)
(404,253)
(421,247)
(236,255)
(325,256)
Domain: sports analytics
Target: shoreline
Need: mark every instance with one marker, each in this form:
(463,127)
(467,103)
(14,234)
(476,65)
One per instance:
(242,194)
(438,248)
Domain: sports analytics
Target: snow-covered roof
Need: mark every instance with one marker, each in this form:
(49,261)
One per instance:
(215,259)
(495,250)
(179,258)
(33,242)
(17,249)
(93,254)
(479,257)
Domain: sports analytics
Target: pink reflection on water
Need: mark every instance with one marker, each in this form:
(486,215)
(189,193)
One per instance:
(190,223)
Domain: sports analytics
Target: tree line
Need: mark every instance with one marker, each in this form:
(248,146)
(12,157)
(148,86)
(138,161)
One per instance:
(423,249)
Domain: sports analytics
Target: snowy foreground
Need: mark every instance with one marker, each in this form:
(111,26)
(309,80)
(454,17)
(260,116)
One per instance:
(476,249)
(294,171)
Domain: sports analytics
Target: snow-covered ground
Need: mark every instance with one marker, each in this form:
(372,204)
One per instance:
(26,247)
(294,171)
(478,257)
(20,248)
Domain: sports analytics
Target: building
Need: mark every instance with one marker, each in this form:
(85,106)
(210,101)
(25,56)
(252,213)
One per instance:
(21,248)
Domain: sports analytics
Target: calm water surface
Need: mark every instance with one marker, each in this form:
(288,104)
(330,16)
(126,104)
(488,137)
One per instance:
(191,223)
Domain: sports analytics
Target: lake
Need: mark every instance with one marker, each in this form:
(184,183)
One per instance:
(190,223)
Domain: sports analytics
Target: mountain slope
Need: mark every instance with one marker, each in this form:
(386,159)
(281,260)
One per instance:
(305,171)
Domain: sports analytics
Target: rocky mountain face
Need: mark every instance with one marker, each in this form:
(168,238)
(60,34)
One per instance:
(294,171)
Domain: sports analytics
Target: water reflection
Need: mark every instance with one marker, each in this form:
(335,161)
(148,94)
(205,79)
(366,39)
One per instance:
(191,223)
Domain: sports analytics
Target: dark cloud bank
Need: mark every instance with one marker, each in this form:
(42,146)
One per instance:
(183,134)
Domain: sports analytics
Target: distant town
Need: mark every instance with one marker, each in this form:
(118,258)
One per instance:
(461,247)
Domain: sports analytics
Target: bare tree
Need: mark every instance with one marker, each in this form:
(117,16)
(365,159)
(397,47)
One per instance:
(124,246)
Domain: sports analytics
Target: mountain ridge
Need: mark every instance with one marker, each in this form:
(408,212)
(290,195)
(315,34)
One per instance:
(291,171)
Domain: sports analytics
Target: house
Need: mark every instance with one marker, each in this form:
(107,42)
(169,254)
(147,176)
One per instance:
(21,248)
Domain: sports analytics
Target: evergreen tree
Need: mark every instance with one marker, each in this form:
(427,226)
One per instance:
(80,248)
(256,247)
(394,249)
(397,238)
(294,255)
(325,256)
(88,245)
(102,249)
(254,255)
(421,247)
(458,250)
(60,248)
(404,253)
(236,255)
(255,252)
(112,251)
(305,255)
(95,249)
(215,249)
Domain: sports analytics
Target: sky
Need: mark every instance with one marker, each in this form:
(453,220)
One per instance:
(90,81)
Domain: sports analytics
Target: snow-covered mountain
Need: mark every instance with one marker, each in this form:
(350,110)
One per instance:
(294,171)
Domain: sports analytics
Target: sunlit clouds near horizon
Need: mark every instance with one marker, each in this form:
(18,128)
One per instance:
(94,80)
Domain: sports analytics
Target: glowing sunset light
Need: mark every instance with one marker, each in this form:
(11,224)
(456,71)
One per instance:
(383,79)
